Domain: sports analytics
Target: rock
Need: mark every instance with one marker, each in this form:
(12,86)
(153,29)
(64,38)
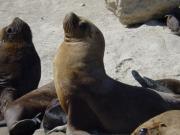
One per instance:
(167,123)
(138,11)
(41,132)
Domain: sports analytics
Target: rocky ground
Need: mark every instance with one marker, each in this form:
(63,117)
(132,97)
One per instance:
(150,48)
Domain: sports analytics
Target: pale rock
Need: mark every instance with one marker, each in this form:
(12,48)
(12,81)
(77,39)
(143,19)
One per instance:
(138,11)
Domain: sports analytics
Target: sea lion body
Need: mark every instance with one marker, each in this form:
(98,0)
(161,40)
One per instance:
(27,107)
(20,70)
(166,123)
(91,99)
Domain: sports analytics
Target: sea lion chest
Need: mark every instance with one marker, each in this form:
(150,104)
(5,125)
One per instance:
(71,72)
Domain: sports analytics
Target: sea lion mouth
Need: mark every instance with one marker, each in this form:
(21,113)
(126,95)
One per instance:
(70,23)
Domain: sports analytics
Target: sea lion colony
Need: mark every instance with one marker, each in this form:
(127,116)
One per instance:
(92,101)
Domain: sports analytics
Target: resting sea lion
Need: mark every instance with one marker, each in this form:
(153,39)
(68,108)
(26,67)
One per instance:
(21,115)
(91,99)
(163,85)
(20,68)
(166,123)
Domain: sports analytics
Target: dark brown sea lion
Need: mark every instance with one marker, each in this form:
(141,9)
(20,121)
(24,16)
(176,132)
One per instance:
(167,123)
(20,68)
(21,115)
(163,85)
(91,99)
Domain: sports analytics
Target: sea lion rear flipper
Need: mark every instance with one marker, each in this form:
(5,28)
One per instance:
(143,82)
(29,125)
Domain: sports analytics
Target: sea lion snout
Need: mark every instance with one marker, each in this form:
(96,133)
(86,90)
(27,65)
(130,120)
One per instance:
(71,18)
(70,23)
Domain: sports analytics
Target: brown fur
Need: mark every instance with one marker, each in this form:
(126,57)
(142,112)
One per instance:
(167,123)
(92,100)
(28,106)
(172,84)
(20,64)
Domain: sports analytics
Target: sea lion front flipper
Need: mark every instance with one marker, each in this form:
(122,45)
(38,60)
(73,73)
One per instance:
(29,125)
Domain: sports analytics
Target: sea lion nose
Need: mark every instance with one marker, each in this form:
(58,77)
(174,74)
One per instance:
(9,30)
(71,15)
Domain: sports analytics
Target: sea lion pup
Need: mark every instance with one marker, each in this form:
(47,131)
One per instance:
(20,64)
(53,117)
(163,85)
(166,123)
(91,99)
(21,114)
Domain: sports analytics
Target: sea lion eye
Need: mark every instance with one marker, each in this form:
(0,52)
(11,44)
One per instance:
(83,25)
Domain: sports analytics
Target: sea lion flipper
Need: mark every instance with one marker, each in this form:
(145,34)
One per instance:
(139,79)
(58,129)
(29,125)
(150,82)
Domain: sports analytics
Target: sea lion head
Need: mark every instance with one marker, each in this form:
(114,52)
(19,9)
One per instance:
(17,31)
(84,33)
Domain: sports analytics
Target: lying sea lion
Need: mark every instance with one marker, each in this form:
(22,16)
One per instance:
(21,115)
(20,70)
(92,100)
(163,85)
(166,123)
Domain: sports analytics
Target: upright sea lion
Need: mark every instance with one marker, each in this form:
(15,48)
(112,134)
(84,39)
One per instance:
(20,67)
(163,85)
(91,99)
(21,114)
(166,123)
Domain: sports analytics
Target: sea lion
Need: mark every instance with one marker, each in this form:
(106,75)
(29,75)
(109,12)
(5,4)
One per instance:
(21,114)
(163,85)
(172,23)
(53,117)
(166,123)
(20,70)
(92,100)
